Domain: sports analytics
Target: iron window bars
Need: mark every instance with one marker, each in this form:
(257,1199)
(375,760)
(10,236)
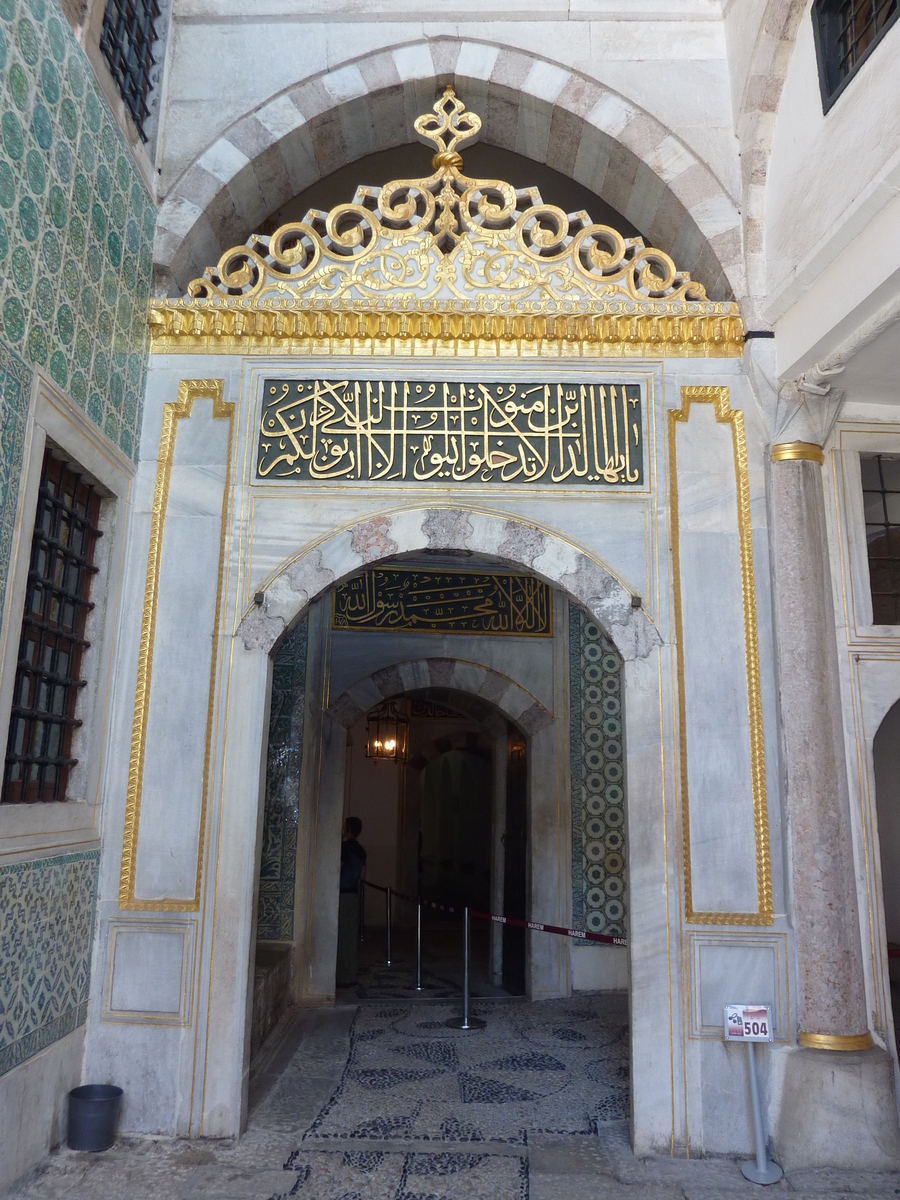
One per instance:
(127,45)
(39,750)
(881,500)
(846,31)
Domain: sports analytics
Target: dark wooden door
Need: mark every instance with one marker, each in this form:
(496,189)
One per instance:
(515,892)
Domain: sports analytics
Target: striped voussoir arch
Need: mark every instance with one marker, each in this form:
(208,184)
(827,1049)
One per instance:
(528,105)
(477,690)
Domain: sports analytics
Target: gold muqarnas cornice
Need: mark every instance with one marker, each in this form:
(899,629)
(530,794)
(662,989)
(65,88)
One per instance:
(447,264)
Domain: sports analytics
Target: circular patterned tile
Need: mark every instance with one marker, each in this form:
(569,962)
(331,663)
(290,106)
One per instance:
(104,183)
(65,324)
(84,348)
(101,369)
(36,172)
(86,152)
(58,368)
(56,39)
(4,50)
(28,41)
(89,305)
(78,389)
(76,77)
(7,185)
(114,248)
(44,298)
(22,268)
(13,137)
(63,162)
(92,111)
(4,238)
(42,126)
(71,279)
(49,82)
(68,119)
(77,236)
(37,345)
(14,319)
(28,218)
(18,86)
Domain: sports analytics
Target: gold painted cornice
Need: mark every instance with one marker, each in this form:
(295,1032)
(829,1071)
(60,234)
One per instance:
(447,265)
(792,451)
(836,1041)
(227,325)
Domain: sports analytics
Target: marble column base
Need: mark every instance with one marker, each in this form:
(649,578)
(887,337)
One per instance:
(838,1109)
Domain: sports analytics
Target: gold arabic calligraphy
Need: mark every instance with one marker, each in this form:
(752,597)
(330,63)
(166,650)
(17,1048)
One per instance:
(390,598)
(382,431)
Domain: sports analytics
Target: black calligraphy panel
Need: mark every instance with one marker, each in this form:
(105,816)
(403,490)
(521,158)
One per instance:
(390,598)
(451,433)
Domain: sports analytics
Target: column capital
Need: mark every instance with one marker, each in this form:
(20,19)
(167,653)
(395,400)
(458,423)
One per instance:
(791,451)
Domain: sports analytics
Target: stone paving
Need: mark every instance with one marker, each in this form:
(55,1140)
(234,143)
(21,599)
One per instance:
(505,1114)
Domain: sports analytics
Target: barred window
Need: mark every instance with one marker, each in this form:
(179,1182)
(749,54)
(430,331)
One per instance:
(846,32)
(881,498)
(126,42)
(39,750)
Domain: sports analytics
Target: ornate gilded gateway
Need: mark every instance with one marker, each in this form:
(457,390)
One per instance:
(442,432)
(391,598)
(447,264)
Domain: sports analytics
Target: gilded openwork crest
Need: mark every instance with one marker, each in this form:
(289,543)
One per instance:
(451,259)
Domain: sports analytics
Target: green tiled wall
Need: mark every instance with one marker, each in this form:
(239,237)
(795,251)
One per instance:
(76,229)
(76,225)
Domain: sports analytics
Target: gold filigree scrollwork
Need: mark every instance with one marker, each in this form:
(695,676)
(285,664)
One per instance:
(446,243)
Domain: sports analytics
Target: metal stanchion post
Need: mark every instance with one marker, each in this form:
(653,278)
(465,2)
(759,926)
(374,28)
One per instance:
(465,1021)
(419,987)
(388,918)
(761,1171)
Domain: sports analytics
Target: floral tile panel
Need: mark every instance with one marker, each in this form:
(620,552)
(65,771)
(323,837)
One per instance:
(46,931)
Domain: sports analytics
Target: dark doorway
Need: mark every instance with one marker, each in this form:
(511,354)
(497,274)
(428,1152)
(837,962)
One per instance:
(515,882)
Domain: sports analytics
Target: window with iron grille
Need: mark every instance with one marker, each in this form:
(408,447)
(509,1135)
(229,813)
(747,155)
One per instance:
(42,721)
(127,45)
(881,498)
(846,32)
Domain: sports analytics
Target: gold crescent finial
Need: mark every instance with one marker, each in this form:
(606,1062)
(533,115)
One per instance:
(450,127)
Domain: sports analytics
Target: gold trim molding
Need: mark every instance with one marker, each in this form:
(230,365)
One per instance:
(791,451)
(189,390)
(725,414)
(837,1041)
(446,264)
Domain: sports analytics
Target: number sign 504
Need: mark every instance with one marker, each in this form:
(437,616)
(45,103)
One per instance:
(748,1023)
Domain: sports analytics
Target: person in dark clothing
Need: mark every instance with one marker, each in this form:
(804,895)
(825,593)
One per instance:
(353,869)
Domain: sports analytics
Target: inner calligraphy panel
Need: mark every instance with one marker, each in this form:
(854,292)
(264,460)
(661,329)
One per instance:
(391,598)
(440,432)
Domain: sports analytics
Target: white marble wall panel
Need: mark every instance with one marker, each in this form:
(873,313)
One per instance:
(151,969)
(737,968)
(722,838)
(175,748)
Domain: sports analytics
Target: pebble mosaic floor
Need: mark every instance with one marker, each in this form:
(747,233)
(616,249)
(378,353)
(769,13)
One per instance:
(554,1067)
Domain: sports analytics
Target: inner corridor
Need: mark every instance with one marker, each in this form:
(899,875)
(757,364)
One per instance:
(380,1100)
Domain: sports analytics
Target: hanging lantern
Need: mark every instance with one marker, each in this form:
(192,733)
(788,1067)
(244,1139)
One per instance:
(387,732)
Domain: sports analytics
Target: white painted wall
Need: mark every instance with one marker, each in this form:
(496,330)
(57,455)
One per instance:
(831,177)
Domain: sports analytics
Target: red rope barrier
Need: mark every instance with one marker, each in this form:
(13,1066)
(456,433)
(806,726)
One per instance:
(519,924)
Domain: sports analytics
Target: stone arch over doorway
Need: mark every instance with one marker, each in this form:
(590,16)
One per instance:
(477,690)
(592,585)
(528,104)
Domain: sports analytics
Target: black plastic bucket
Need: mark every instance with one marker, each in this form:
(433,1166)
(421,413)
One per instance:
(93,1116)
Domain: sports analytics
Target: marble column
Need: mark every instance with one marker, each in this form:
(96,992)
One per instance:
(837,1103)
(831,1003)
